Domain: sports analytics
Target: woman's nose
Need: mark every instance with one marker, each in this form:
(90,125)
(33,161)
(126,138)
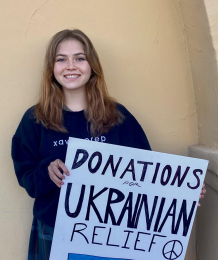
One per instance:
(71,65)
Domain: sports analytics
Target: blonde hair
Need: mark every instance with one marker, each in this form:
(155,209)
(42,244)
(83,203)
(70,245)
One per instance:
(101,111)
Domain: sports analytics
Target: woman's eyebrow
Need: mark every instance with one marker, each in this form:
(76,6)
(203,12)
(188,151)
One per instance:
(80,53)
(76,54)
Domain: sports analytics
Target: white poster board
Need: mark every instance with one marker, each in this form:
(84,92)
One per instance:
(125,203)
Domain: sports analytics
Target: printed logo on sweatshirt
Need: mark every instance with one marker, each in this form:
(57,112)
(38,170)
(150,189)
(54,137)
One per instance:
(97,139)
(65,142)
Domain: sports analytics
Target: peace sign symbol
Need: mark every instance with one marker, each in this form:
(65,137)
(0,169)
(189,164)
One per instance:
(172,249)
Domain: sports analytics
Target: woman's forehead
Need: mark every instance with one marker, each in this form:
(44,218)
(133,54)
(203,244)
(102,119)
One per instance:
(69,46)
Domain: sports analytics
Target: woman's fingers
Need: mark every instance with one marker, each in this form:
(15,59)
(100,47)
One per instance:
(54,178)
(63,167)
(55,174)
(203,191)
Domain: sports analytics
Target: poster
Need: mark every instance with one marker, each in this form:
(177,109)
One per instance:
(125,203)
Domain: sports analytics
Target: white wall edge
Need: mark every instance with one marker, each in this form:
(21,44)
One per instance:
(210,154)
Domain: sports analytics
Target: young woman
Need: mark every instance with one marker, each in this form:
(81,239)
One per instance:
(74,102)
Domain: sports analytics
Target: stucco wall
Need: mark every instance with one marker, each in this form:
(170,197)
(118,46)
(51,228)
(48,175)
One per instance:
(201,24)
(206,219)
(143,51)
(207,228)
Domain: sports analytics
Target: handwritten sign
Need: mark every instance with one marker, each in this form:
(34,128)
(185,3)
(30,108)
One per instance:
(125,203)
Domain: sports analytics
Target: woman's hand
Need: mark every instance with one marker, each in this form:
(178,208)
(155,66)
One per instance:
(55,174)
(203,191)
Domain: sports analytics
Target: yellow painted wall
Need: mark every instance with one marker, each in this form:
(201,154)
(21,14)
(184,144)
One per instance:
(144,54)
(201,26)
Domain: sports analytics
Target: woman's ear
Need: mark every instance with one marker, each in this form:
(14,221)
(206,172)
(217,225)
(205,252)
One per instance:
(92,74)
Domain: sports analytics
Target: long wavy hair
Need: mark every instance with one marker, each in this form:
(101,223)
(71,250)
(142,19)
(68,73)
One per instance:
(101,111)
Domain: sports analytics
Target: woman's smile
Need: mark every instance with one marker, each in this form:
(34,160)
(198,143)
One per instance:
(71,69)
(72,76)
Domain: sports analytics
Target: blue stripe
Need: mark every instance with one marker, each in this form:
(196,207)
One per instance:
(90,257)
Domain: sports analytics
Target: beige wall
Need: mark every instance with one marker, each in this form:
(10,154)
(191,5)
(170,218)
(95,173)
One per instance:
(144,54)
(207,228)
(206,219)
(201,26)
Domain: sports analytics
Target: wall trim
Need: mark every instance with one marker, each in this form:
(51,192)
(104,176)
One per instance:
(210,154)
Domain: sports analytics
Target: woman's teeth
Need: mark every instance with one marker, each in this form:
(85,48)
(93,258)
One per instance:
(72,76)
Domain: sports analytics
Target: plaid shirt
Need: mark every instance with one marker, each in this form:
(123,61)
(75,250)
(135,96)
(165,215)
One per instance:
(40,241)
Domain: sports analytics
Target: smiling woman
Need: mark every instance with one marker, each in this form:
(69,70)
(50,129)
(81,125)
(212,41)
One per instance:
(74,102)
(72,70)
(73,77)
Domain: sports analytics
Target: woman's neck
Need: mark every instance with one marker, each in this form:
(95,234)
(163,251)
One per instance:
(75,100)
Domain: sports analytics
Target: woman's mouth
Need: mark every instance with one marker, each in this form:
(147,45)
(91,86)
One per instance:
(71,76)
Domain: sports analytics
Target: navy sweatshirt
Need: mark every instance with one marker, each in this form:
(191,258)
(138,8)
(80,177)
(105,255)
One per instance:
(34,147)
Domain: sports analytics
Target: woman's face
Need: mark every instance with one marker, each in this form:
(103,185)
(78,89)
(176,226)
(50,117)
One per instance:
(71,69)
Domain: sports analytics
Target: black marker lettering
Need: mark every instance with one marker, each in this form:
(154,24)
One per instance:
(152,240)
(183,215)
(137,240)
(144,202)
(76,163)
(170,214)
(144,169)
(98,164)
(130,168)
(198,180)
(127,238)
(169,171)
(131,221)
(156,172)
(80,202)
(92,204)
(178,176)
(79,231)
(95,234)
(109,238)
(109,212)
(159,214)
(110,162)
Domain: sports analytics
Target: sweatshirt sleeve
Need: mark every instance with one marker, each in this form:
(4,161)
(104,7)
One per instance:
(132,134)
(30,169)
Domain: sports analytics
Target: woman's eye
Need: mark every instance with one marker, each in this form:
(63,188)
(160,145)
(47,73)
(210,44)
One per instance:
(80,59)
(61,59)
